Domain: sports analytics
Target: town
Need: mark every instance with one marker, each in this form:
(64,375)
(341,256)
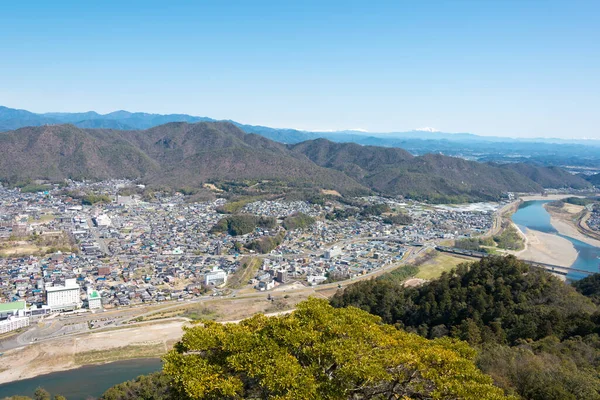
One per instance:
(61,253)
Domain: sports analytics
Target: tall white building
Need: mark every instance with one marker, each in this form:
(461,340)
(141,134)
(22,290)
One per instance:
(215,277)
(64,297)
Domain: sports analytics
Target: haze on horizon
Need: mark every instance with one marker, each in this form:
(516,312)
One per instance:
(504,68)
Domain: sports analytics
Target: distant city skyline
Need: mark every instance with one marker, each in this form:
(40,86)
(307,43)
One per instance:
(502,68)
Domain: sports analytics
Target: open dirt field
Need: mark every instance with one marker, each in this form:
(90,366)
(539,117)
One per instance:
(148,339)
(21,248)
(440,263)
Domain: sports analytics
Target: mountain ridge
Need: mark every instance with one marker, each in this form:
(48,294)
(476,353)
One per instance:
(180,154)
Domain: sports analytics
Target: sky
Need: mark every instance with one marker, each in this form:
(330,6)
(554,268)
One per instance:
(520,68)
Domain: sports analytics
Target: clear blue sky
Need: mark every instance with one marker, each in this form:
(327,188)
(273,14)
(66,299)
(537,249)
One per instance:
(516,68)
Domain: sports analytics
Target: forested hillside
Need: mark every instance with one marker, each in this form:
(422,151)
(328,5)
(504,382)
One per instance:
(181,155)
(437,177)
(549,176)
(538,336)
(175,155)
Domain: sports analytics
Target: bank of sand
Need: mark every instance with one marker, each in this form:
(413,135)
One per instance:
(563,222)
(151,340)
(547,248)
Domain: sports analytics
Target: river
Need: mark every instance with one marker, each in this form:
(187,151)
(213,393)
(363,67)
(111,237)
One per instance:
(85,382)
(533,215)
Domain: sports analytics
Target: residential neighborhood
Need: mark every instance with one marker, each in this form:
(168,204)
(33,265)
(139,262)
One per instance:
(60,254)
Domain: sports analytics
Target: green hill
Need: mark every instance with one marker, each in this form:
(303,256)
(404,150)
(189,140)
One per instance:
(316,352)
(180,154)
(393,171)
(537,336)
(549,177)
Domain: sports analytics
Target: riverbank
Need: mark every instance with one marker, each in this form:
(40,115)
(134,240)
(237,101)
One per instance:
(540,246)
(547,248)
(564,221)
(147,341)
(151,339)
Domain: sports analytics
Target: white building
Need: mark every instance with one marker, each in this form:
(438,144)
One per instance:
(266,285)
(64,297)
(94,299)
(333,252)
(315,279)
(102,220)
(13,323)
(215,277)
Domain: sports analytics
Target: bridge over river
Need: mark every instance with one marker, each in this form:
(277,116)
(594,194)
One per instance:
(555,269)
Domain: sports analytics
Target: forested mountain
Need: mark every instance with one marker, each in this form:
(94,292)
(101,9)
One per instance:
(548,176)
(14,119)
(432,176)
(61,151)
(538,337)
(501,150)
(175,154)
(180,154)
(593,179)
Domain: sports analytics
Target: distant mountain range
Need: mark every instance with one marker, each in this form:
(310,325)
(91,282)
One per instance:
(575,155)
(181,154)
(11,118)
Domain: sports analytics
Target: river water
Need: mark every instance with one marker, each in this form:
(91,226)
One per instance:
(533,215)
(83,383)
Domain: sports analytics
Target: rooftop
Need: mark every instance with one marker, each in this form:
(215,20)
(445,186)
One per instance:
(15,305)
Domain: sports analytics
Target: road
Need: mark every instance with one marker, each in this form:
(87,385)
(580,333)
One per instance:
(97,238)
(499,216)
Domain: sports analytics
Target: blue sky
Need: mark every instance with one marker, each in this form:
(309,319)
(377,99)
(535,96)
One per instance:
(515,68)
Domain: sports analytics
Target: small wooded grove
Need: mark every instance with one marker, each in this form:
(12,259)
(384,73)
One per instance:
(241,224)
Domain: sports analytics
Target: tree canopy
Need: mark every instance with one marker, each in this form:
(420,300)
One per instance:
(241,224)
(589,287)
(497,299)
(537,336)
(319,352)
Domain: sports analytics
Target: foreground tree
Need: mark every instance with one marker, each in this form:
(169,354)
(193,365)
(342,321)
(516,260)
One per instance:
(319,352)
